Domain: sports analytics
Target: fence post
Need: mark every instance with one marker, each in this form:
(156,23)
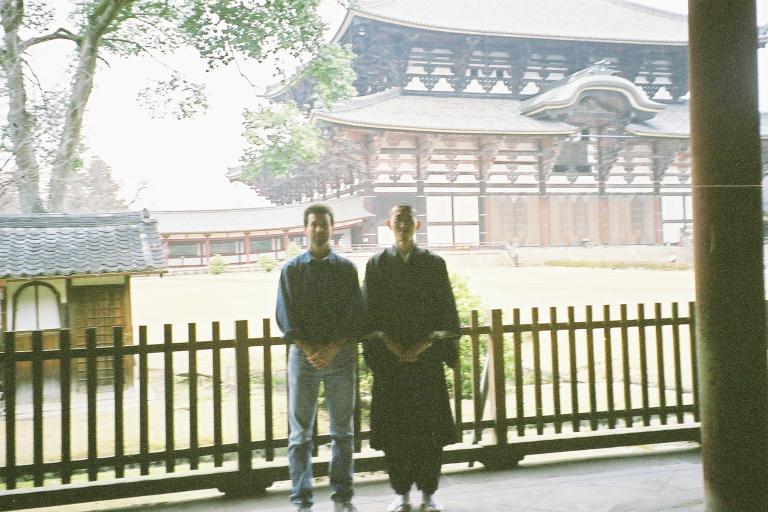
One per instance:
(496,374)
(243,397)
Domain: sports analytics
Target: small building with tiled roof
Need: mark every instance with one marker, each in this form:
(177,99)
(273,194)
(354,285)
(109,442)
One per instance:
(73,271)
(242,235)
(546,123)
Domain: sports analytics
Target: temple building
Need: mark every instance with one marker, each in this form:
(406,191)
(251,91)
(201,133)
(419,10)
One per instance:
(547,123)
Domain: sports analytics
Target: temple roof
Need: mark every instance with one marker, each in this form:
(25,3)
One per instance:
(674,121)
(255,220)
(63,244)
(393,110)
(585,20)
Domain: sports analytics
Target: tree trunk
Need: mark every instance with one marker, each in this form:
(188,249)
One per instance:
(26,175)
(82,85)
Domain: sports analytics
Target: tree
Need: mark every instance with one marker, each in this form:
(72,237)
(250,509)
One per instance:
(92,189)
(219,30)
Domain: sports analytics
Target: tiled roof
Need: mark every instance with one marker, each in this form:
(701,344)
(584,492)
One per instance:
(391,109)
(674,121)
(254,220)
(60,244)
(586,20)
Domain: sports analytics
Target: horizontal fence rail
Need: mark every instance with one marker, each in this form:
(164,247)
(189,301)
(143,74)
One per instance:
(114,420)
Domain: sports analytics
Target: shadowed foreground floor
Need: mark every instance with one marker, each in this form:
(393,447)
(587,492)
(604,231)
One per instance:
(641,479)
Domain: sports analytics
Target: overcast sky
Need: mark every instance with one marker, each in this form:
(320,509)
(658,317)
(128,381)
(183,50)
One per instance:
(184,162)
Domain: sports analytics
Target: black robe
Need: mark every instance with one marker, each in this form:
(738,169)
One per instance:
(410,301)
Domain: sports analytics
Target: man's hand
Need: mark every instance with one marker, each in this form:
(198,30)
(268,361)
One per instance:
(325,354)
(393,346)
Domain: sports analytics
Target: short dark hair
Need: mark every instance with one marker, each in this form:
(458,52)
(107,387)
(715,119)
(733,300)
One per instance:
(403,206)
(317,209)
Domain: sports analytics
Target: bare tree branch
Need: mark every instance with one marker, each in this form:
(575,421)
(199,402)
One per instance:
(60,33)
(141,186)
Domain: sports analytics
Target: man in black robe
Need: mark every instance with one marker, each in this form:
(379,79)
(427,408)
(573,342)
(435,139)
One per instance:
(414,328)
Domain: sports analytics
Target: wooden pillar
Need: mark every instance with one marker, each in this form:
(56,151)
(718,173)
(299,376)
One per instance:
(285,243)
(730,296)
(604,220)
(658,224)
(207,249)
(247,242)
(544,221)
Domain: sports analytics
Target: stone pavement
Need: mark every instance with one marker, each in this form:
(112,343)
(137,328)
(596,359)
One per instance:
(640,479)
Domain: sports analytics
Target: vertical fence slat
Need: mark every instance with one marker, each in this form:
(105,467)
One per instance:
(643,364)
(537,370)
(65,383)
(242,365)
(117,366)
(91,380)
(170,461)
(143,402)
(496,368)
(194,456)
(694,360)
(609,366)
(574,370)
(678,363)
(555,353)
(519,400)
(591,369)
(269,431)
(478,406)
(357,420)
(37,408)
(662,383)
(9,384)
(457,384)
(627,377)
(218,456)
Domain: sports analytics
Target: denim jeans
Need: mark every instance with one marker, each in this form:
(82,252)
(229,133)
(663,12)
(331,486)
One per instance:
(338,378)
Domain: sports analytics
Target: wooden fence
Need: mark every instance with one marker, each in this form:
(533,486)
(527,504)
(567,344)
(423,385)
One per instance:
(553,384)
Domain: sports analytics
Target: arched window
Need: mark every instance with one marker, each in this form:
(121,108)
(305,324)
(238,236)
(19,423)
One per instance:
(36,307)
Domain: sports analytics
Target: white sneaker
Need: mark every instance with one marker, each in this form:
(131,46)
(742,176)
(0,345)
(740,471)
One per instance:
(429,504)
(399,504)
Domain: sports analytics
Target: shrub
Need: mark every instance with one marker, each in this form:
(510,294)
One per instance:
(216,264)
(293,250)
(266,263)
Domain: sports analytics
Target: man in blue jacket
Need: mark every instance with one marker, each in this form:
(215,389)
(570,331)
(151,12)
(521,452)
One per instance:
(318,310)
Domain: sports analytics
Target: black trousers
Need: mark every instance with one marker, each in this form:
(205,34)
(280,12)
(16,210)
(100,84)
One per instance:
(416,461)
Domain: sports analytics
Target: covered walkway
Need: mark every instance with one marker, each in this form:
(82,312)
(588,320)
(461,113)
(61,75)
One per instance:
(640,479)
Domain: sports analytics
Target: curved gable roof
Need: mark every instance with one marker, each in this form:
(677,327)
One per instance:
(586,20)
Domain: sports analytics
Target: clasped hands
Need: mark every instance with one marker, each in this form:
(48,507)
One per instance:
(409,354)
(318,355)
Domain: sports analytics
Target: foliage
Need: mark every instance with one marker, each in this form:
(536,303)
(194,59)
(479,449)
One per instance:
(267,263)
(332,74)
(43,124)
(466,302)
(644,265)
(292,251)
(216,265)
(92,189)
(278,137)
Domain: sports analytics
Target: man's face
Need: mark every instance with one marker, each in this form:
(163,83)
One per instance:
(403,225)
(318,229)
